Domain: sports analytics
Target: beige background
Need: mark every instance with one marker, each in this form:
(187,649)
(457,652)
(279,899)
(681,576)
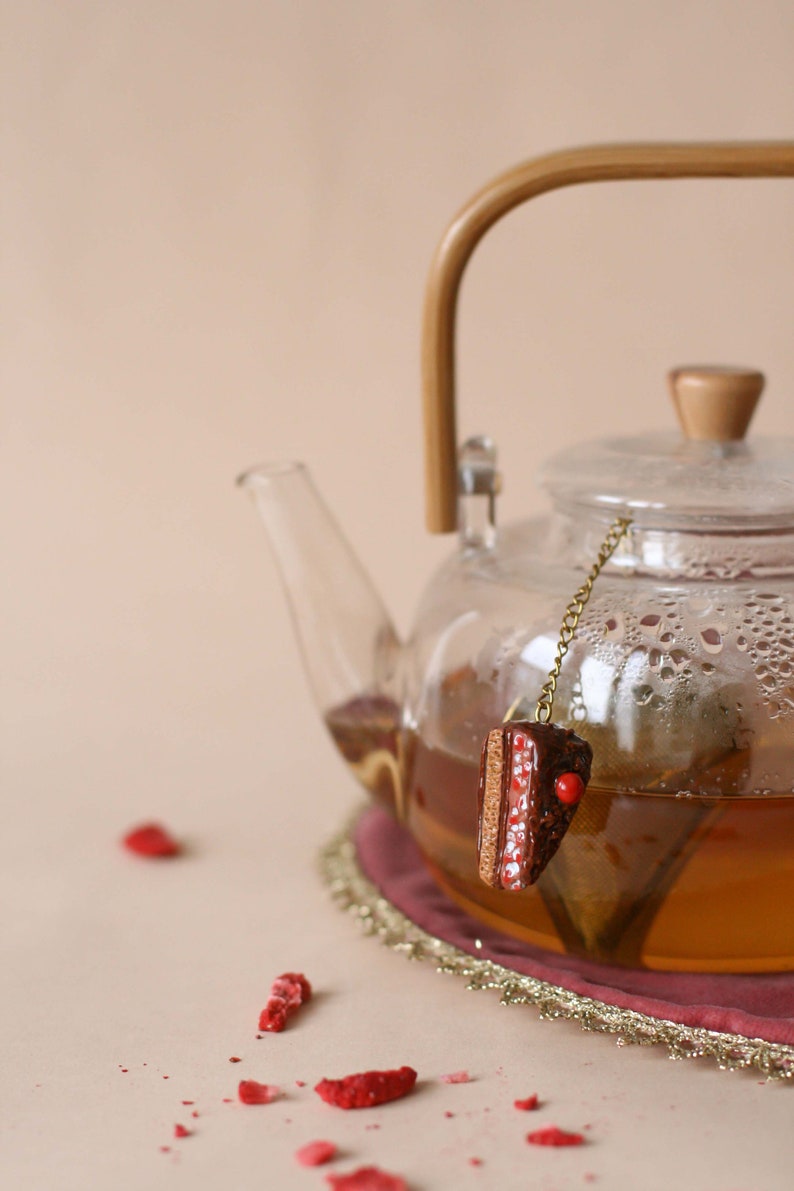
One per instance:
(217,221)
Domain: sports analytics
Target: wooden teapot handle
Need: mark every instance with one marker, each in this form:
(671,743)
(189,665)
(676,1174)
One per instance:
(597,163)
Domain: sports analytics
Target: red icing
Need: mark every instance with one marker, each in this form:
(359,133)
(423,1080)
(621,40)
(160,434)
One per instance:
(316,1153)
(520,758)
(528,1104)
(569,788)
(367,1088)
(366,1178)
(152,840)
(251,1092)
(550,1135)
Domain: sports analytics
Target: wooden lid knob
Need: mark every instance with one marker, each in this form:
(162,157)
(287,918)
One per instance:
(715,404)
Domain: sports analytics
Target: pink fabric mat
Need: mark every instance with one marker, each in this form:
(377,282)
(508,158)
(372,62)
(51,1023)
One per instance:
(755,1006)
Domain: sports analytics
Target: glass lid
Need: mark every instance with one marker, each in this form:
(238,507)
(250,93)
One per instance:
(708,476)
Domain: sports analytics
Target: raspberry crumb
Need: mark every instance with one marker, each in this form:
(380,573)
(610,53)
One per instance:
(152,840)
(251,1092)
(235,1059)
(550,1135)
(456,1077)
(528,1104)
(188,1101)
(316,1153)
(227,1100)
(181,1131)
(449,1114)
(194,1113)
(366,1178)
(165,1149)
(300,1083)
(288,993)
(367,1088)
(475,1161)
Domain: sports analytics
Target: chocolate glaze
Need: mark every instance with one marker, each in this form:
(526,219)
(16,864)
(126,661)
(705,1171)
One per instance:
(531,820)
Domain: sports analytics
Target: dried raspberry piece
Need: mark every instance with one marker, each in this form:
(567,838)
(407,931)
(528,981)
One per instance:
(181,1131)
(235,1059)
(550,1135)
(367,1088)
(528,1104)
(456,1077)
(251,1092)
(316,1153)
(150,839)
(366,1178)
(273,1017)
(288,993)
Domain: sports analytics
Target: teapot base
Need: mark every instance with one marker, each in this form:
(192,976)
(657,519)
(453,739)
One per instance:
(642,880)
(374,869)
(549,941)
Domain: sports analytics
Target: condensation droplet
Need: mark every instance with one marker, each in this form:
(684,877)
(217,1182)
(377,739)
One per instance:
(651,625)
(711,639)
(614,627)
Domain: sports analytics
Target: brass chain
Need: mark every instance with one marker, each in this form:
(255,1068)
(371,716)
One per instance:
(570,621)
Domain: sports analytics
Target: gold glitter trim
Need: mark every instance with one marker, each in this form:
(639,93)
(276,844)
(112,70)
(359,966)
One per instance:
(376,915)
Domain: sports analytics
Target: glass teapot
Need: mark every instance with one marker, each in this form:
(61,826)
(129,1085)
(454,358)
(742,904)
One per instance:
(679,674)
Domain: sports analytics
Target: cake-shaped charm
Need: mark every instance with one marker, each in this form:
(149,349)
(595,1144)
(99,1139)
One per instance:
(532,777)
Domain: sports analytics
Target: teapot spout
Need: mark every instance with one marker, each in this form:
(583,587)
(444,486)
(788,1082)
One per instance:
(351,652)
